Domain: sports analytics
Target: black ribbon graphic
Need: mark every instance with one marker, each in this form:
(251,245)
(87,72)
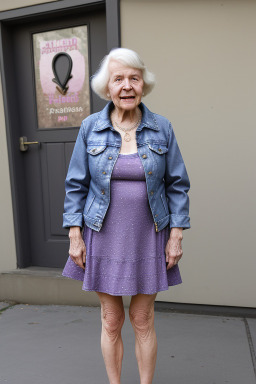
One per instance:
(62,66)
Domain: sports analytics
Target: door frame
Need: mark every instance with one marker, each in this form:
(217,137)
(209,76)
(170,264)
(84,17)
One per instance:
(8,19)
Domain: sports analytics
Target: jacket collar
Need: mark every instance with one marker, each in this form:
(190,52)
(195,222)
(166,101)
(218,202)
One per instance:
(148,119)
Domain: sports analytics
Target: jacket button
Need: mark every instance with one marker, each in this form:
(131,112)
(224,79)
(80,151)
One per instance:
(144,156)
(159,149)
(110,157)
(152,192)
(104,172)
(150,173)
(102,192)
(94,150)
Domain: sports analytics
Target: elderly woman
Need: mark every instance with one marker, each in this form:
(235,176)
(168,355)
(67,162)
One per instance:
(126,205)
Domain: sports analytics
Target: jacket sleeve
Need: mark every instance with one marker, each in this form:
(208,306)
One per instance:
(177,184)
(76,184)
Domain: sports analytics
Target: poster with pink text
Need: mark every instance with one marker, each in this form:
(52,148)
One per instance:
(59,107)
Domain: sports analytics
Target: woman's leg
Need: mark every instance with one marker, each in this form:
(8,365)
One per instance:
(112,318)
(141,314)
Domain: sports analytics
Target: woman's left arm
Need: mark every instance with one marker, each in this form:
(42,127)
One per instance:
(177,186)
(173,249)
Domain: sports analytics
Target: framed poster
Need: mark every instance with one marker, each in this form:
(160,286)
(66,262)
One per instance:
(61,55)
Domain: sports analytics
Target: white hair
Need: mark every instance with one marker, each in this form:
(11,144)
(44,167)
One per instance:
(100,79)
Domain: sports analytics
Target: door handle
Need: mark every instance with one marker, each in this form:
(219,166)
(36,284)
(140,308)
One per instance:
(24,143)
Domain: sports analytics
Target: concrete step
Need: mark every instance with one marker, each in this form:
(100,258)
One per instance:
(46,286)
(39,285)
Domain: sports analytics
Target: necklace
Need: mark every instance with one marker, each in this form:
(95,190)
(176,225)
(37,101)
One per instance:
(127,136)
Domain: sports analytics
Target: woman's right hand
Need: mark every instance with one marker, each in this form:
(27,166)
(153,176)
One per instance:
(77,249)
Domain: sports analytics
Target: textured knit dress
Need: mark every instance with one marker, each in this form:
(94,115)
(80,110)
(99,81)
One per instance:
(127,255)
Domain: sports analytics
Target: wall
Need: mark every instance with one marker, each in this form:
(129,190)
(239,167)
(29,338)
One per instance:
(7,241)
(203,54)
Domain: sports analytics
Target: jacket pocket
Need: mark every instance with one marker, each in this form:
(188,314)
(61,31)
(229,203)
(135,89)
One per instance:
(89,201)
(96,155)
(157,153)
(163,198)
(95,149)
(160,149)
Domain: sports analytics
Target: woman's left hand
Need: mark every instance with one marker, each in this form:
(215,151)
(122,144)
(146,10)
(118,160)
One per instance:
(173,249)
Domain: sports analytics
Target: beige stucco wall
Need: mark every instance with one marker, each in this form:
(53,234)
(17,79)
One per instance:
(7,241)
(203,54)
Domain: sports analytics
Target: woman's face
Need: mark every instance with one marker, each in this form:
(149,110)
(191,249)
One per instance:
(125,86)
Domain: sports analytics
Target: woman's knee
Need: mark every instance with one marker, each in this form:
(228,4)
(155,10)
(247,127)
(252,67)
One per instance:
(112,316)
(142,320)
(112,320)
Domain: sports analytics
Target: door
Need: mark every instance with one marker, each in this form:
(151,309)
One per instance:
(42,167)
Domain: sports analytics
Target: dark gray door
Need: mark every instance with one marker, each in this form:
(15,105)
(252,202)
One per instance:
(42,168)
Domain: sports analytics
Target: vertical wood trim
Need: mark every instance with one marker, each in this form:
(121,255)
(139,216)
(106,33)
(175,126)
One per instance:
(113,24)
(4,38)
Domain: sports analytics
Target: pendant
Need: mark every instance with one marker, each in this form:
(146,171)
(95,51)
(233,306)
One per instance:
(127,137)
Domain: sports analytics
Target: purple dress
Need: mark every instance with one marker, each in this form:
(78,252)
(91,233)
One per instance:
(127,255)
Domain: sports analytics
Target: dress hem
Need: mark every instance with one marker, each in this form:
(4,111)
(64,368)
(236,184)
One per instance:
(131,294)
(123,294)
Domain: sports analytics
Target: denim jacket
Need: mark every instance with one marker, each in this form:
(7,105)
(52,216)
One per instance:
(95,152)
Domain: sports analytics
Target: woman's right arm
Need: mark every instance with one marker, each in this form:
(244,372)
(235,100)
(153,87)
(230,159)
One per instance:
(76,184)
(77,249)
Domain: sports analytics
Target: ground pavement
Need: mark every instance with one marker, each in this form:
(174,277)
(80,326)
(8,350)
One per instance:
(55,344)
